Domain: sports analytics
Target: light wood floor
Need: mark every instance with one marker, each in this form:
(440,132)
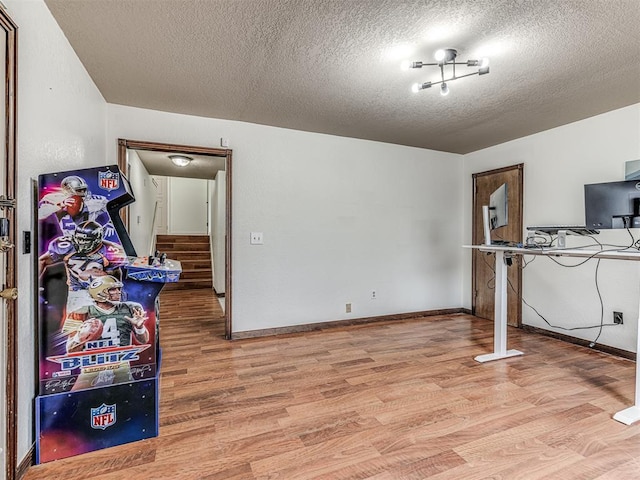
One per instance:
(396,400)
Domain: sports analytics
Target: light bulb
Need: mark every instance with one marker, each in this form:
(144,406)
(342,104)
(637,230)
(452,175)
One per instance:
(444,89)
(416,87)
(407,65)
(439,55)
(484,66)
(180,160)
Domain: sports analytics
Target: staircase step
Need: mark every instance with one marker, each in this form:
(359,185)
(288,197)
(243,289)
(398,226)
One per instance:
(188,246)
(195,275)
(189,284)
(195,264)
(193,253)
(182,238)
(189,255)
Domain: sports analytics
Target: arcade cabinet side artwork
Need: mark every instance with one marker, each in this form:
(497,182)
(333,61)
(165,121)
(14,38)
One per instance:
(99,353)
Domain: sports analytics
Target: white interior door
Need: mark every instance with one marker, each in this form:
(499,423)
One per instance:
(161,205)
(188,205)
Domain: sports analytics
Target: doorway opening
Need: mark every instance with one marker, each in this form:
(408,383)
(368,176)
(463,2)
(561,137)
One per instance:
(222,156)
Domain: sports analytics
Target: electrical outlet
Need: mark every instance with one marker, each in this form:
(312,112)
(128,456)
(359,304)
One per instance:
(373,295)
(256,238)
(617,318)
(347,308)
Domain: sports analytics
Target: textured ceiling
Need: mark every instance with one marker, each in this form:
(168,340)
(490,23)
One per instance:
(332,66)
(201,166)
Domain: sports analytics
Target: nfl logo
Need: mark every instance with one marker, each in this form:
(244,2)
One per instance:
(108,180)
(104,416)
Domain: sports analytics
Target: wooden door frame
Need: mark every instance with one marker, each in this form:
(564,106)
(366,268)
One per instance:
(520,168)
(124,144)
(11,388)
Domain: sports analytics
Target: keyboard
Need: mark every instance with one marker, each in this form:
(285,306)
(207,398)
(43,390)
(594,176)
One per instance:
(571,229)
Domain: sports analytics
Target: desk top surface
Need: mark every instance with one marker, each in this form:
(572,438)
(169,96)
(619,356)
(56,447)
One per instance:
(611,253)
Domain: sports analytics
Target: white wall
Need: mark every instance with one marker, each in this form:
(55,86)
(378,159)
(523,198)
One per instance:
(341,217)
(218,231)
(187,205)
(558,163)
(61,126)
(141,211)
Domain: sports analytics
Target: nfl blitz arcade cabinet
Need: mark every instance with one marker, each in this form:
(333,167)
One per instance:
(98,324)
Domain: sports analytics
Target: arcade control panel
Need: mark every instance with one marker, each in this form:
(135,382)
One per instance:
(154,268)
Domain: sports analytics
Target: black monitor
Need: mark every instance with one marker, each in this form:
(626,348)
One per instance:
(612,205)
(498,207)
(495,215)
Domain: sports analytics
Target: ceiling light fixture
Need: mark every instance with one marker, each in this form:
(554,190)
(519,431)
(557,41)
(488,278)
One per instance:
(444,58)
(180,160)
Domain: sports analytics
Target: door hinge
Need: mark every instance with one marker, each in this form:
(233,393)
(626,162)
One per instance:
(7,202)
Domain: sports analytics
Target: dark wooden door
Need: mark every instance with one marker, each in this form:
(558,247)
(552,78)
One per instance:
(483,264)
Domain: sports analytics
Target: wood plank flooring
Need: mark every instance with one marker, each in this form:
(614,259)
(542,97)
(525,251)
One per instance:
(394,400)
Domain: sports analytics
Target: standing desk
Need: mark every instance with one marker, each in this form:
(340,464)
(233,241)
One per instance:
(626,416)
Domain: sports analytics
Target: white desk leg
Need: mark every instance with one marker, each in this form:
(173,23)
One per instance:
(632,414)
(500,316)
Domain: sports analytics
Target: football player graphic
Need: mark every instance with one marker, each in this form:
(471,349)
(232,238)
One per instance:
(72,204)
(111,321)
(86,256)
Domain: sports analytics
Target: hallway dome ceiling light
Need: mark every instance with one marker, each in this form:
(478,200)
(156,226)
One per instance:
(180,160)
(445,58)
